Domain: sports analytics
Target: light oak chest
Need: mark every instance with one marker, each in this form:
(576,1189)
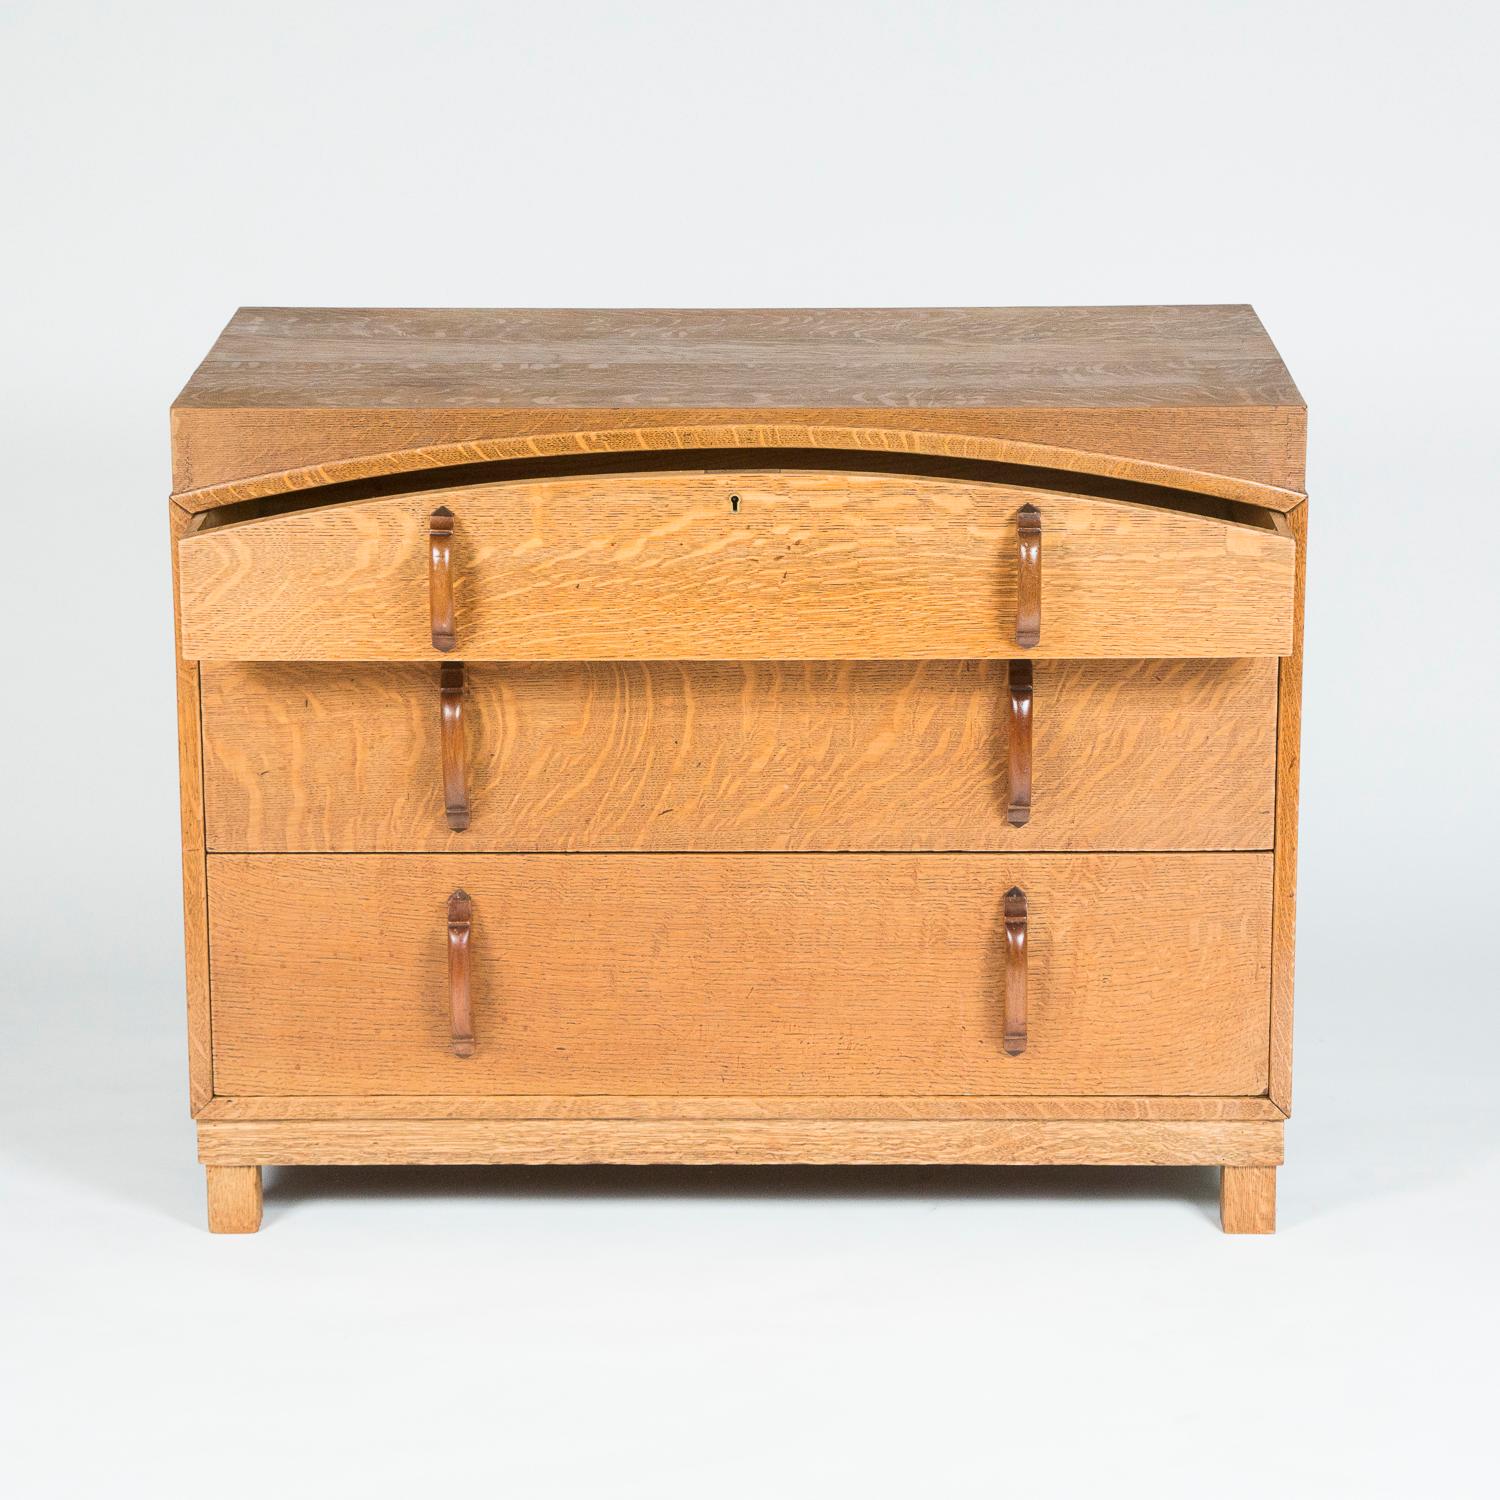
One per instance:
(786,736)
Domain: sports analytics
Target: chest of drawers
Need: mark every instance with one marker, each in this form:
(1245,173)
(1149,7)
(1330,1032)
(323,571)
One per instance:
(686,736)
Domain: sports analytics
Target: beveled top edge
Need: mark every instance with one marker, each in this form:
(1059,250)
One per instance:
(657,440)
(741,359)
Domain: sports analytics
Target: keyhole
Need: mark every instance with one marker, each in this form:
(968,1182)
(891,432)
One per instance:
(734,504)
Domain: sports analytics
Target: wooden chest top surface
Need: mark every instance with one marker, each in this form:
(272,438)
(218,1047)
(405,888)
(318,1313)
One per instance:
(284,388)
(642,359)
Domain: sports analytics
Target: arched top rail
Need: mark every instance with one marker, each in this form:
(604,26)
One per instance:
(656,441)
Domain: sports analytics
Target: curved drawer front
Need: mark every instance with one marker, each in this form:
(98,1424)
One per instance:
(757,565)
(327,756)
(738,974)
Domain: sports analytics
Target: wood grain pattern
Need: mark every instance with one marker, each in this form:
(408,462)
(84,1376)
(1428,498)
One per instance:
(741,974)
(658,668)
(1247,1199)
(692,435)
(643,358)
(1288,780)
(856,755)
(234,1199)
(291,387)
(876,1142)
(194,866)
(810,565)
(730,1107)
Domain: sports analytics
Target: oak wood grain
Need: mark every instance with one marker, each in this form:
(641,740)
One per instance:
(194,867)
(856,755)
(741,974)
(656,442)
(1247,1199)
(1288,780)
(890,1142)
(285,388)
(809,565)
(730,1107)
(234,1199)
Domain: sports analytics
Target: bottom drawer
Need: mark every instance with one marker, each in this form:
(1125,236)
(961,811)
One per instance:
(740,974)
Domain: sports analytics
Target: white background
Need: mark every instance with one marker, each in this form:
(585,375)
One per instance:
(1044,1333)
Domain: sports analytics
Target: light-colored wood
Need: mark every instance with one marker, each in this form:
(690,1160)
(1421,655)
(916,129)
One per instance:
(688,432)
(288,389)
(234,1198)
(1247,1199)
(809,565)
(194,869)
(740,974)
(1134,755)
(688,1107)
(1288,779)
(665,677)
(890,1142)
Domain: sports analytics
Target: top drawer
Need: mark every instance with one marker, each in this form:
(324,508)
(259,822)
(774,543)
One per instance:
(750,565)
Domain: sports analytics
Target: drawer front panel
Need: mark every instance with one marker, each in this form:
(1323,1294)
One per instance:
(740,974)
(757,565)
(723,756)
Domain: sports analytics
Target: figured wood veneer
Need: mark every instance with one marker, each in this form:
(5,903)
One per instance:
(708,755)
(701,1107)
(1242,1143)
(290,397)
(742,974)
(808,566)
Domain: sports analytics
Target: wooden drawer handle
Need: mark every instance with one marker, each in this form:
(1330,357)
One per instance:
(440,577)
(460,1003)
(1029,577)
(451,689)
(1014,1040)
(1018,802)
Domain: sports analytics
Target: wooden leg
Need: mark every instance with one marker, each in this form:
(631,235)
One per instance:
(1247,1200)
(233,1199)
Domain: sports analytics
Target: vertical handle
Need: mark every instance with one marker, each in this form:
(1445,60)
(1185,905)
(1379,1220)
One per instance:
(440,577)
(1028,577)
(1014,1040)
(460,1003)
(1018,804)
(451,689)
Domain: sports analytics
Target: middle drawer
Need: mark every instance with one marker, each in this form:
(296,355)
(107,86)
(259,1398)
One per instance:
(704,756)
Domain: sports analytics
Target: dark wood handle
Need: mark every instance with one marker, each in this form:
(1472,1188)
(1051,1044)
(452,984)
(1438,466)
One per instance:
(1018,803)
(440,577)
(451,688)
(460,1003)
(1014,1040)
(1028,577)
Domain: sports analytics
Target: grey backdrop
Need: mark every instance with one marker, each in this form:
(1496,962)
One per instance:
(621,1334)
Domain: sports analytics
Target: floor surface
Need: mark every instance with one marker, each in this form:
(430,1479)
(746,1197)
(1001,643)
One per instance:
(755,1332)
